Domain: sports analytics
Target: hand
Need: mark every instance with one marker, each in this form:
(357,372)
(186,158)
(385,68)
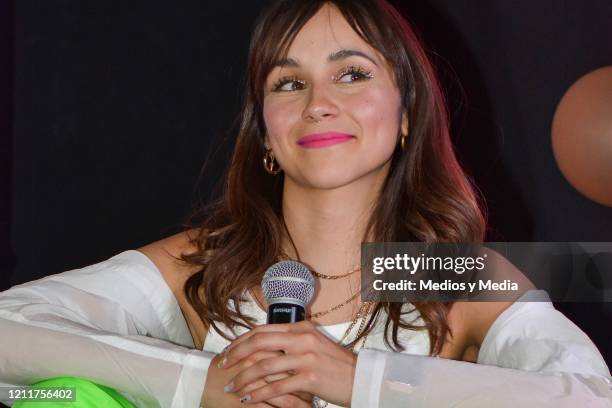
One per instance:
(317,363)
(215,397)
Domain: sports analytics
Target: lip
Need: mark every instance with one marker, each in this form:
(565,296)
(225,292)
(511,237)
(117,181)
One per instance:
(317,140)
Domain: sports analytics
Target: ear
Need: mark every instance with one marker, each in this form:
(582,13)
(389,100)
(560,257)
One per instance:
(404,125)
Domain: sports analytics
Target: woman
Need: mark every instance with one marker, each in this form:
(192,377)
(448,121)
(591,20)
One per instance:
(343,109)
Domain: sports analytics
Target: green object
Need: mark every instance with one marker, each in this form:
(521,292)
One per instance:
(88,395)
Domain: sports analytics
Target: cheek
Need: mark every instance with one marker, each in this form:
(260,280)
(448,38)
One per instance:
(277,116)
(377,114)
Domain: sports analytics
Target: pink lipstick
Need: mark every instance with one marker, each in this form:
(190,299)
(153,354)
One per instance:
(318,140)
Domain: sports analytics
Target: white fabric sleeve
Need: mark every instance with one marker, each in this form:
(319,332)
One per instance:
(532,356)
(115,323)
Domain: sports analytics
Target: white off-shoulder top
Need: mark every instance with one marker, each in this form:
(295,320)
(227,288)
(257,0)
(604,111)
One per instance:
(117,323)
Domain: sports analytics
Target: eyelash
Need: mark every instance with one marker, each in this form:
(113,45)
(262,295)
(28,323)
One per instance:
(352,69)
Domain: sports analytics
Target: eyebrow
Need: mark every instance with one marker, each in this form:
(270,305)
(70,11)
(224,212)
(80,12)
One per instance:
(334,56)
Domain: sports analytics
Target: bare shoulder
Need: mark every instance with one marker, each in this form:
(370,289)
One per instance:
(471,321)
(162,253)
(478,317)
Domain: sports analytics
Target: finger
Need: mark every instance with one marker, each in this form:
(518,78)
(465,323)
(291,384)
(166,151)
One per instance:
(304,325)
(292,343)
(276,377)
(306,396)
(259,342)
(281,376)
(282,327)
(290,401)
(254,386)
(292,384)
(263,368)
(252,359)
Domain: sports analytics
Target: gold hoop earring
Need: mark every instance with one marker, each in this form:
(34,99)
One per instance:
(403,142)
(270,163)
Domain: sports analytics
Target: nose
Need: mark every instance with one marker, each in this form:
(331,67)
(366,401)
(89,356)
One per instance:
(319,105)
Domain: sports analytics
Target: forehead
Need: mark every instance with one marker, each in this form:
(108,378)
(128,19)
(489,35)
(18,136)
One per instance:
(326,32)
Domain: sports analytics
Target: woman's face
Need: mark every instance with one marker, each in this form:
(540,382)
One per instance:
(311,93)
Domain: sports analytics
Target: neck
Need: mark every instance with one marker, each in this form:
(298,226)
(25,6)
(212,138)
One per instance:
(327,226)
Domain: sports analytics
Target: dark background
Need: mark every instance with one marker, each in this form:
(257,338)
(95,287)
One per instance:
(118,105)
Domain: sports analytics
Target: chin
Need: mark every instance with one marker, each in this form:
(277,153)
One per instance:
(331,178)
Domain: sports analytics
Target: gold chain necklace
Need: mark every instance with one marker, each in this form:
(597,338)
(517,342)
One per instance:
(363,312)
(320,275)
(323,313)
(318,314)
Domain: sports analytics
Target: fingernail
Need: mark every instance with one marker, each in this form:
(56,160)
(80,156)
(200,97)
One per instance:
(223,362)
(245,398)
(228,387)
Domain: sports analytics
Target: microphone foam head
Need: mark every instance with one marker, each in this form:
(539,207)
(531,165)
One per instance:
(288,281)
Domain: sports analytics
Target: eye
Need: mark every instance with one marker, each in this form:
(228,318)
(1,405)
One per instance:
(356,74)
(287,80)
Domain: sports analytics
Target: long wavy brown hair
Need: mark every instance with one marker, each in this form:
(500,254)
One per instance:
(426,195)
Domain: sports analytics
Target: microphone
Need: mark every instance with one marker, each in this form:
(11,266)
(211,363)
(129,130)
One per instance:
(288,287)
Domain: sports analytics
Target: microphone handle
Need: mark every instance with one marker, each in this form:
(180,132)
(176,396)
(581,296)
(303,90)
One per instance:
(285,313)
